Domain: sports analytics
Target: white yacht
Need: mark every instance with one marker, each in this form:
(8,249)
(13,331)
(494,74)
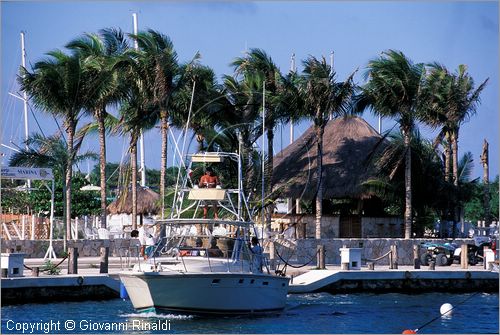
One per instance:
(206,266)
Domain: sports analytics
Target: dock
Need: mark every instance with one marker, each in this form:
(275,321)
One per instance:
(89,284)
(404,279)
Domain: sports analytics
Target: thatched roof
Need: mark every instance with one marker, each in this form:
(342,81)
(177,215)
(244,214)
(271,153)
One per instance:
(147,202)
(348,150)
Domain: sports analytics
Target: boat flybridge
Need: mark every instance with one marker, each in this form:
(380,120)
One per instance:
(206,266)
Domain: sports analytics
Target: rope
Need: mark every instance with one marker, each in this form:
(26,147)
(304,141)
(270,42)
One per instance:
(377,259)
(440,315)
(295,266)
(27,267)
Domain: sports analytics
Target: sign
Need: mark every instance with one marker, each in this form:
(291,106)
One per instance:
(12,172)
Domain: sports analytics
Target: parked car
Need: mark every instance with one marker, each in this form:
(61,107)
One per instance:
(475,251)
(440,253)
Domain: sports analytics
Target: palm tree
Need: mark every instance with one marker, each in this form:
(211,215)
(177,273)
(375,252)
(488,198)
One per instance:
(451,99)
(160,68)
(57,86)
(206,101)
(323,96)
(257,63)
(99,54)
(240,112)
(137,114)
(394,90)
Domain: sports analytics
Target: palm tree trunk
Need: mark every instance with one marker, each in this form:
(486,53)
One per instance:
(269,174)
(319,174)
(486,183)
(447,160)
(102,163)
(70,131)
(164,148)
(133,164)
(454,147)
(408,189)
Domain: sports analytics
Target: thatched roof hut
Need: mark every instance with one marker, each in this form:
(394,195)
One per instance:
(348,150)
(147,202)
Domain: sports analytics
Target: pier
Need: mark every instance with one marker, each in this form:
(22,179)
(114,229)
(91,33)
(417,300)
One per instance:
(89,284)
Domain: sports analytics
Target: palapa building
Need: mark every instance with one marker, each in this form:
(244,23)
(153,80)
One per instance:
(120,210)
(350,146)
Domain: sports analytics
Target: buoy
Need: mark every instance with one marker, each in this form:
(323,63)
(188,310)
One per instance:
(409,331)
(446,309)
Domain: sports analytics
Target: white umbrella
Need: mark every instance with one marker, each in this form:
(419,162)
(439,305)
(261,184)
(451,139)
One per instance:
(90,188)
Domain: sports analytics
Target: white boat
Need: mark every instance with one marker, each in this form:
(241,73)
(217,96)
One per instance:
(188,274)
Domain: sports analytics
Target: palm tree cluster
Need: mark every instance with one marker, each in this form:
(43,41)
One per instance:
(150,86)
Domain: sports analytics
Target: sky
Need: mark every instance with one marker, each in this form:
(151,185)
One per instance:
(450,33)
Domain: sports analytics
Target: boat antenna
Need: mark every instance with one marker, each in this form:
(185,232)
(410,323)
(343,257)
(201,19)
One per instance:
(25,103)
(141,137)
(184,143)
(263,153)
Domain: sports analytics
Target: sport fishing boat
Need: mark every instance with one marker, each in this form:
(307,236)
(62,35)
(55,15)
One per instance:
(206,266)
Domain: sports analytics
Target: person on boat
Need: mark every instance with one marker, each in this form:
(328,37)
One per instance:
(198,247)
(209,180)
(147,240)
(214,250)
(257,257)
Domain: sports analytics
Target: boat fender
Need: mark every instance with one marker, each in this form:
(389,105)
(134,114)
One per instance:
(79,281)
(407,275)
(468,275)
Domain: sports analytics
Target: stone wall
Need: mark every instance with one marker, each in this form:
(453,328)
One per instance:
(305,226)
(372,248)
(86,248)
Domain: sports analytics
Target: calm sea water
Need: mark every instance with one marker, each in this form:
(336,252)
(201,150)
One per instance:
(307,313)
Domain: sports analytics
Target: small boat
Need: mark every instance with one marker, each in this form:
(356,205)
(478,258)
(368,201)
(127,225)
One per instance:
(206,266)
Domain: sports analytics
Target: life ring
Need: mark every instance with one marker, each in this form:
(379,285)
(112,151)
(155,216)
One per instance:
(79,280)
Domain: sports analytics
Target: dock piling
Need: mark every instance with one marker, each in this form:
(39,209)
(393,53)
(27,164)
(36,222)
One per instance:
(464,256)
(73,260)
(321,257)
(104,260)
(416,256)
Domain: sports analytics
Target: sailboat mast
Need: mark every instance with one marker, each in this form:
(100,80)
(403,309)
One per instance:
(141,138)
(25,102)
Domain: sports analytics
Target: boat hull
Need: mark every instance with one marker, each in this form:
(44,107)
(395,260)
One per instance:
(213,293)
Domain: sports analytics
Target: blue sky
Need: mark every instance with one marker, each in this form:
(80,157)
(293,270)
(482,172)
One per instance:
(451,33)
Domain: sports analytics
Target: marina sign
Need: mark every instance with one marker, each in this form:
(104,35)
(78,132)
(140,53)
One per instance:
(12,172)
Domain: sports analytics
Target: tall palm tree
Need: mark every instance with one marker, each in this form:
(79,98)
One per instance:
(241,111)
(57,86)
(160,68)
(257,63)
(323,96)
(394,90)
(137,112)
(99,54)
(453,99)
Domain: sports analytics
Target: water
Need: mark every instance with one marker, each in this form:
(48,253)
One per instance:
(306,313)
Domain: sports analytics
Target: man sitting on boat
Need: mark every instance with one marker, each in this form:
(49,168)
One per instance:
(209,180)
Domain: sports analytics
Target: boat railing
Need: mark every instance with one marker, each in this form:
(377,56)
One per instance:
(234,250)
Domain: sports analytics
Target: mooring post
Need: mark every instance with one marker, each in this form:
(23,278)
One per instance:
(73,260)
(464,256)
(272,256)
(416,256)
(432,265)
(35,271)
(395,256)
(104,260)
(321,257)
